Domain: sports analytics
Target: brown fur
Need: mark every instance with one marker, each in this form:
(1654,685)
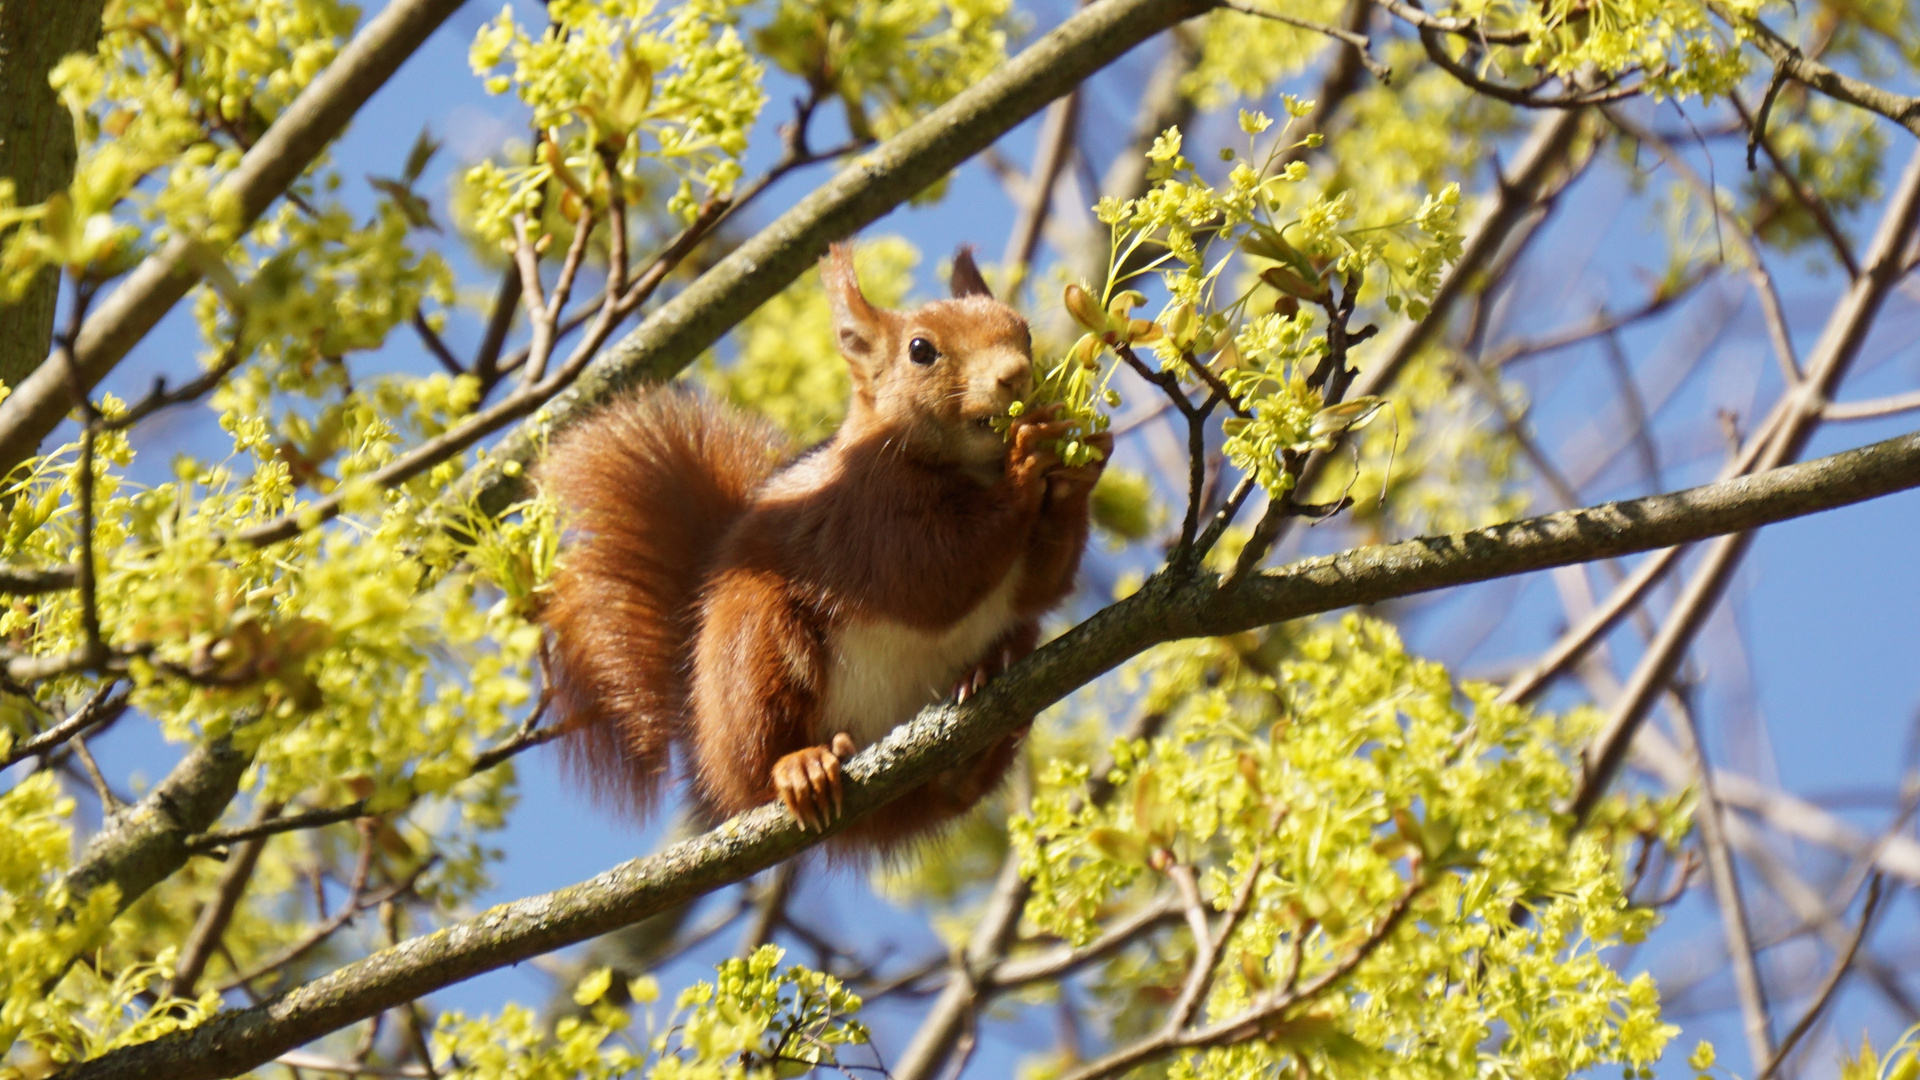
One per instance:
(649,484)
(913,514)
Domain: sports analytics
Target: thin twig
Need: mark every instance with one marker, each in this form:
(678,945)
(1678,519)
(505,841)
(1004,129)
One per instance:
(205,937)
(1255,1019)
(1841,965)
(1600,325)
(1050,158)
(215,839)
(1875,409)
(1576,98)
(1360,42)
(98,710)
(521,403)
(1711,822)
(506,301)
(438,348)
(356,902)
(109,802)
(160,397)
(1060,962)
(1808,199)
(1471,29)
(533,298)
(1763,287)
(1757,123)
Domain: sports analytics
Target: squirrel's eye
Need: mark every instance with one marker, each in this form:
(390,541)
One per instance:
(922,352)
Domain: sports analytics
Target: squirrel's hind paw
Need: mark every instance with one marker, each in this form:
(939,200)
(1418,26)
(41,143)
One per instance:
(808,782)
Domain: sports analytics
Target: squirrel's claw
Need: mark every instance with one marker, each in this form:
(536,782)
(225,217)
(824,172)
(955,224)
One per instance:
(974,681)
(808,782)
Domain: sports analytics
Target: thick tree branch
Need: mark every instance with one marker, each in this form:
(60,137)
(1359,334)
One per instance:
(34,580)
(36,150)
(1165,609)
(872,184)
(141,845)
(273,163)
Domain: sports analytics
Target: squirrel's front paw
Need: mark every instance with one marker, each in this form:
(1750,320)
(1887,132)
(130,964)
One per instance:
(1065,483)
(1029,458)
(808,782)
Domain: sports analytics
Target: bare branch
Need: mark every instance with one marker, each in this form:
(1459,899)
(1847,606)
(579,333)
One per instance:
(1711,822)
(1769,297)
(1841,965)
(98,710)
(1471,29)
(1056,143)
(1575,97)
(214,840)
(1065,960)
(36,580)
(438,348)
(1839,343)
(1878,408)
(1805,196)
(1602,324)
(161,398)
(1255,1018)
(211,925)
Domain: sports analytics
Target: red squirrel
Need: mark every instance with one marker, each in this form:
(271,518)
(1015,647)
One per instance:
(772,613)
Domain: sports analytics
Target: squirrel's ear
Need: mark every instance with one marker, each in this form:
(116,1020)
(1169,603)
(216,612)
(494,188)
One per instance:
(966,275)
(856,325)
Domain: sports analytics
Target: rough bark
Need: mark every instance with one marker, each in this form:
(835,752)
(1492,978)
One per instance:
(36,149)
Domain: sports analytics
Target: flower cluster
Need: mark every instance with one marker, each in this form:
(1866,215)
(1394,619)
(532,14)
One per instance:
(1316,784)
(616,87)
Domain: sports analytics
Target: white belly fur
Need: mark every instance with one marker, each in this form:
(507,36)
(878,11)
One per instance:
(884,672)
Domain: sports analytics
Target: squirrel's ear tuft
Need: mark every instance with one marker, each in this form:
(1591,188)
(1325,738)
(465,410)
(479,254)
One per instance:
(966,275)
(856,325)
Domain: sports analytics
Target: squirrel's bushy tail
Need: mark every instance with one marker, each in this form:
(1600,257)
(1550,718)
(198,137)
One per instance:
(647,488)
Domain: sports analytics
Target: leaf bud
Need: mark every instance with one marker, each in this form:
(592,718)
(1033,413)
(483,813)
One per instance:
(1121,847)
(1286,280)
(1085,352)
(1345,416)
(1081,306)
(1179,323)
(1123,302)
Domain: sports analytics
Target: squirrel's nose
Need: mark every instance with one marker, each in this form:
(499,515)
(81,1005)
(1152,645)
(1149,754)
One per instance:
(1016,379)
